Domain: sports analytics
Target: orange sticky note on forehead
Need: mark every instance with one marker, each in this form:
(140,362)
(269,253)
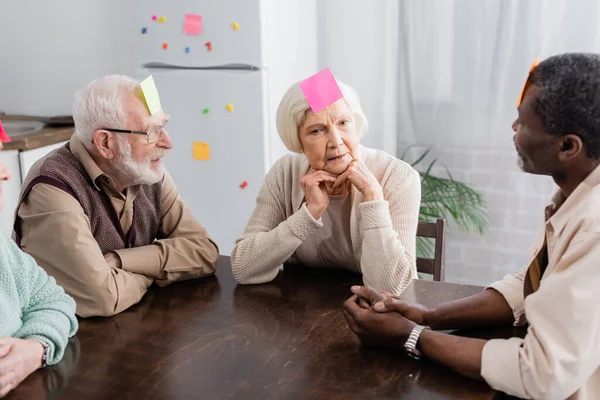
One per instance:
(535,64)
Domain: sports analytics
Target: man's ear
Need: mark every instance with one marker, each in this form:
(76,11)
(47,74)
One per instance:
(571,146)
(105,143)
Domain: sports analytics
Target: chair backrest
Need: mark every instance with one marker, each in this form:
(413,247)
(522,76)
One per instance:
(436,265)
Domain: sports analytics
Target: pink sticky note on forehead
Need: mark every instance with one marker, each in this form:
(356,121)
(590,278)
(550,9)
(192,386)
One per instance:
(192,25)
(3,136)
(321,90)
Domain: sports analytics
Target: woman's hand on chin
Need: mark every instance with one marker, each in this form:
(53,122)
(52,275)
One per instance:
(362,178)
(314,185)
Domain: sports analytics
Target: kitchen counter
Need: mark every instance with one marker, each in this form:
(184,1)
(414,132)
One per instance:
(45,136)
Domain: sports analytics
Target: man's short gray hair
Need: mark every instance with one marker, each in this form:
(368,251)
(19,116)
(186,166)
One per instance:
(292,109)
(568,97)
(100,105)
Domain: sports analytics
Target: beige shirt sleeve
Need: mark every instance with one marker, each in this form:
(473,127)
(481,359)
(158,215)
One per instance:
(183,249)
(255,258)
(388,260)
(511,287)
(561,349)
(57,233)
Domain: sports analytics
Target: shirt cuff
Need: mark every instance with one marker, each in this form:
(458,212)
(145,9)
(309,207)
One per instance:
(500,366)
(511,289)
(375,214)
(142,260)
(303,224)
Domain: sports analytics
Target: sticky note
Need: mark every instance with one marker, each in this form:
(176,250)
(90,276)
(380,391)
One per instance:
(3,135)
(154,18)
(229,107)
(321,90)
(187,50)
(244,185)
(205,111)
(235,26)
(165,45)
(192,24)
(201,151)
(208,46)
(162,19)
(144,30)
(151,95)
(535,64)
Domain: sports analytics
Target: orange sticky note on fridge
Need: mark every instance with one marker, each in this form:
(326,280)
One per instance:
(535,64)
(192,24)
(201,151)
(151,95)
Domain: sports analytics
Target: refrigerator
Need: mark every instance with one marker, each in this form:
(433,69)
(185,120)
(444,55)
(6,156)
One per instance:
(220,79)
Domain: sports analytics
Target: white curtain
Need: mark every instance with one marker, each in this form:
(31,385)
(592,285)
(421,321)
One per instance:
(462,63)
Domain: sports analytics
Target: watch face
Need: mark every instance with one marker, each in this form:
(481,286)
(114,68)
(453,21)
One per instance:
(414,353)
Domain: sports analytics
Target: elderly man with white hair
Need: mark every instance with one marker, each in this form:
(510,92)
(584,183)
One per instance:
(335,203)
(101,215)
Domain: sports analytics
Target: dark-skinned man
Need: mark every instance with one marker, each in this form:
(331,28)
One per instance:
(557,133)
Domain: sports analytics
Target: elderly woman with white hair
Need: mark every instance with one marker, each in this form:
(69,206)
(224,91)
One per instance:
(334,203)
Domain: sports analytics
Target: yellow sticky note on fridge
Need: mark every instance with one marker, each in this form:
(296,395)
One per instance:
(201,151)
(151,95)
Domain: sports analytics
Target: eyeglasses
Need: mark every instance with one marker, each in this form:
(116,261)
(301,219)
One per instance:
(153,134)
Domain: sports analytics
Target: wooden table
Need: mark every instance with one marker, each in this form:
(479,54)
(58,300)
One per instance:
(211,339)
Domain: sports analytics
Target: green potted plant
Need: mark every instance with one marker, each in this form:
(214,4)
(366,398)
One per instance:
(450,199)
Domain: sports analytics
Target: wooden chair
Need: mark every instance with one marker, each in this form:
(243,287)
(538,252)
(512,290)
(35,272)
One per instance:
(436,265)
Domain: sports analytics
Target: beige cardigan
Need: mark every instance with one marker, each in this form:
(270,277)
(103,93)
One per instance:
(382,232)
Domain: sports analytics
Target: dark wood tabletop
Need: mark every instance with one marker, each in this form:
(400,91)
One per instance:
(212,339)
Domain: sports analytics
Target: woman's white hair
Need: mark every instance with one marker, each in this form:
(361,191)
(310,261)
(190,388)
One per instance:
(291,114)
(100,105)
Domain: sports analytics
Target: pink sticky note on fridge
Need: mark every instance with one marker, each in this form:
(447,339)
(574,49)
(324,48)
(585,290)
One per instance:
(321,90)
(3,135)
(192,24)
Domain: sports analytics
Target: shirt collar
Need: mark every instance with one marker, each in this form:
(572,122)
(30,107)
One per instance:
(560,209)
(93,170)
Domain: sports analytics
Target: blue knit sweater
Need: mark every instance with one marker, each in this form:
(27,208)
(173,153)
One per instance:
(32,305)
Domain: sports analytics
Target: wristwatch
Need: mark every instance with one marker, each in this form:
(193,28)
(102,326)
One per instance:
(411,343)
(45,355)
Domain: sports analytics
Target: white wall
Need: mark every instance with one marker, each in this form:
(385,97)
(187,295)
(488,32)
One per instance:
(48,49)
(358,40)
(290,53)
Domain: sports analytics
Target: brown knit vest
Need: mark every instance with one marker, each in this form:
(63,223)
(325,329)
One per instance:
(63,170)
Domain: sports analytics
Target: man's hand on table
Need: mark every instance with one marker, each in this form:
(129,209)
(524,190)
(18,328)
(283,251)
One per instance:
(386,302)
(375,328)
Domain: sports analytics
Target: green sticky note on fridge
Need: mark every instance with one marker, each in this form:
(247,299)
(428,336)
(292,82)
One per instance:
(151,95)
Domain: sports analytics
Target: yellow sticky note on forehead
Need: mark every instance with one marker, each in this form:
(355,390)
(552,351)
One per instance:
(151,95)
(535,64)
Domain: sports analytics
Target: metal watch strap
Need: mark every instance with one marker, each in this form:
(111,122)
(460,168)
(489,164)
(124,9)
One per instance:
(411,343)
